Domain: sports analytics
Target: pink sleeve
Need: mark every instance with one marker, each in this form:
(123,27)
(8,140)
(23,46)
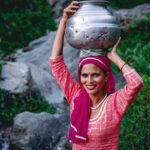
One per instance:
(61,73)
(125,96)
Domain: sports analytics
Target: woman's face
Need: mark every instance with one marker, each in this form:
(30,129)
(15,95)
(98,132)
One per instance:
(93,79)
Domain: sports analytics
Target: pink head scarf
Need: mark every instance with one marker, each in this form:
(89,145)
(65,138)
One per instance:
(103,63)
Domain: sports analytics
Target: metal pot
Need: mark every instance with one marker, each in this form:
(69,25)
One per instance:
(93,26)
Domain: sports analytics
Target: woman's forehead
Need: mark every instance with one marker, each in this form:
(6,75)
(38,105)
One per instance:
(90,67)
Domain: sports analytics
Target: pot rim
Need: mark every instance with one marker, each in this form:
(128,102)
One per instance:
(98,2)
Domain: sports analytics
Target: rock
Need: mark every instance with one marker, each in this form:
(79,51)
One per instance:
(52,2)
(43,82)
(63,145)
(37,132)
(16,77)
(63,113)
(37,60)
(58,6)
(4,138)
(128,15)
(34,60)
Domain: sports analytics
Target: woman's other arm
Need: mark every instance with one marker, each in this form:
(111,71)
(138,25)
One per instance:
(126,95)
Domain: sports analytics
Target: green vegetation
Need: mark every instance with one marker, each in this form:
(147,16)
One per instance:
(21,22)
(135,45)
(135,49)
(136,124)
(11,104)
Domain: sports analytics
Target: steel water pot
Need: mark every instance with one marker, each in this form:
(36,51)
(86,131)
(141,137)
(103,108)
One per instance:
(93,26)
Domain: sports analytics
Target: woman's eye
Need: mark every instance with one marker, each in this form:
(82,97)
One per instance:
(96,74)
(84,75)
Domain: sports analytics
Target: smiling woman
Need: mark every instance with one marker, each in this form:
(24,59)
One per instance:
(93,79)
(97,109)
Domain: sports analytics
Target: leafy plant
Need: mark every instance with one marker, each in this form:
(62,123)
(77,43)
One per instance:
(134,48)
(136,123)
(21,22)
(135,45)
(11,104)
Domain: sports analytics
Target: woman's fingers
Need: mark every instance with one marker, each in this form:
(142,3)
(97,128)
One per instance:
(71,9)
(73,6)
(116,45)
(75,3)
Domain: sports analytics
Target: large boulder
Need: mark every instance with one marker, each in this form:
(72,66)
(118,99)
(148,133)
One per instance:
(58,6)
(37,58)
(38,132)
(128,15)
(34,60)
(15,77)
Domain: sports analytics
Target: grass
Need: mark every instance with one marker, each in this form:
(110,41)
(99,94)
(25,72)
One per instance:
(11,105)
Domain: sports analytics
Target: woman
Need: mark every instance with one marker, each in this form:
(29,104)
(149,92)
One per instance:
(96,109)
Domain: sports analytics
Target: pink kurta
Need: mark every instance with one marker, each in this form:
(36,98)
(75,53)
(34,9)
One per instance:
(103,131)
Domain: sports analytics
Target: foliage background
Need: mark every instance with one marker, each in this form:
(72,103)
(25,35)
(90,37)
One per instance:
(22,21)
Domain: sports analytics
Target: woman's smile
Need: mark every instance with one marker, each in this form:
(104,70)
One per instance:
(93,79)
(90,87)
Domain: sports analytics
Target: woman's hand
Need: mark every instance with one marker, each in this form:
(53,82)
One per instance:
(117,60)
(113,53)
(70,10)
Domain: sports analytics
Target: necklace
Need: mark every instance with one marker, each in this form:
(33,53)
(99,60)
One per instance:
(93,108)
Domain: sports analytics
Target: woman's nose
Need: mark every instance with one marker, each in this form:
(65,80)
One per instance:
(90,79)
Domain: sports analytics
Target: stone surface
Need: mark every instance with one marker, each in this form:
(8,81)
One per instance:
(31,69)
(4,138)
(27,126)
(58,6)
(38,61)
(16,77)
(127,15)
(37,132)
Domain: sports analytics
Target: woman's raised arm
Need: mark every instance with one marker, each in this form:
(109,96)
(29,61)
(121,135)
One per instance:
(57,49)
